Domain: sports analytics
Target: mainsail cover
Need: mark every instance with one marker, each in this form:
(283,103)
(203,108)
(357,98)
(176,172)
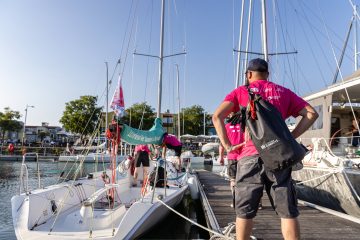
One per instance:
(135,136)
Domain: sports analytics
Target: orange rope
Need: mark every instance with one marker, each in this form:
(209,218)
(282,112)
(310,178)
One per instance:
(143,188)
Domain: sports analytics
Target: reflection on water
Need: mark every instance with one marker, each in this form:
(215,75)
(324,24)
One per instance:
(173,227)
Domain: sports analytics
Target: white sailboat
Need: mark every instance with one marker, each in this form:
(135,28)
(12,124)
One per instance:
(331,175)
(83,209)
(103,205)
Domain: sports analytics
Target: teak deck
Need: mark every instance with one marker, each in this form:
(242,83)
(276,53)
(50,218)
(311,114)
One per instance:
(314,224)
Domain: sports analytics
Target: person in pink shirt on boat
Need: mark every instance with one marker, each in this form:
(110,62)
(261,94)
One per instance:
(171,142)
(251,176)
(235,134)
(142,157)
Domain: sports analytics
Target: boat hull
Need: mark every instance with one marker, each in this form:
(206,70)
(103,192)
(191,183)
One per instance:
(35,217)
(334,188)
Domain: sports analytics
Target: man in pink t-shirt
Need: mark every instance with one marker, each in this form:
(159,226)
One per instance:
(251,176)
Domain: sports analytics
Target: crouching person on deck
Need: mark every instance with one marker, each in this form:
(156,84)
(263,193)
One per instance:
(251,176)
(171,142)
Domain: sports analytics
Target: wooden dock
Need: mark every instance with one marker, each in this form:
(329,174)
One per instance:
(314,224)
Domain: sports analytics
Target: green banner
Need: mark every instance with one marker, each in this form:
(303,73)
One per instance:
(135,136)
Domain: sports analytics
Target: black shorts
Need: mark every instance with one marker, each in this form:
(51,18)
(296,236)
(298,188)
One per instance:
(251,179)
(177,149)
(231,168)
(142,158)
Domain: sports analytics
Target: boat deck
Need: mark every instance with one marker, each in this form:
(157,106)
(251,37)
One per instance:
(314,224)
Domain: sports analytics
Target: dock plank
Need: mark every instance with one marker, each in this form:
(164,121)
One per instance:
(314,224)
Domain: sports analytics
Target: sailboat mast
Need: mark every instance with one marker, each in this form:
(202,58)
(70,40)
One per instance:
(178,98)
(264,30)
(247,39)
(239,46)
(355,39)
(107,100)
(161,57)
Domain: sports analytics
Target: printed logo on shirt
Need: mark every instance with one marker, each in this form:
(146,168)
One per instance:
(254,90)
(271,89)
(234,130)
(273,97)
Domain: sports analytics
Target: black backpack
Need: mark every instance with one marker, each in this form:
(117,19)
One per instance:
(271,137)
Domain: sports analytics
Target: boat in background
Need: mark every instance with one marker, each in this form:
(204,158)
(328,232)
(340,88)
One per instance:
(88,154)
(331,175)
(189,157)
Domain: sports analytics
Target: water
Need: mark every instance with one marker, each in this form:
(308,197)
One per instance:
(173,227)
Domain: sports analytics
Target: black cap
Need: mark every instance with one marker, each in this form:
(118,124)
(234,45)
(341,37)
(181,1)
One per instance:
(258,65)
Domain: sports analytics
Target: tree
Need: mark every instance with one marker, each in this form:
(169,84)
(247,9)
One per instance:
(8,122)
(81,115)
(194,119)
(135,112)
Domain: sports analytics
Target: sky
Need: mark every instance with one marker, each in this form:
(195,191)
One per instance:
(53,52)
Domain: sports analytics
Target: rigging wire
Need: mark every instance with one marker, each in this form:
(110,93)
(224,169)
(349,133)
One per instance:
(339,38)
(98,124)
(338,66)
(311,49)
(132,73)
(286,49)
(321,34)
(129,40)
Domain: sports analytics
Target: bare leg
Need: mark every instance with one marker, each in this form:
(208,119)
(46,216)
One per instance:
(145,174)
(232,188)
(290,228)
(135,176)
(243,228)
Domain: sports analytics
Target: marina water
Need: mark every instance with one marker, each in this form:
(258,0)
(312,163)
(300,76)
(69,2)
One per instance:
(172,227)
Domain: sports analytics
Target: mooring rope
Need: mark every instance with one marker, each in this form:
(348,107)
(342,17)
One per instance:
(195,223)
(313,179)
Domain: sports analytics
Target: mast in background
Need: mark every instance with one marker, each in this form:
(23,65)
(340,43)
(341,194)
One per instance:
(161,57)
(264,30)
(237,82)
(178,99)
(355,39)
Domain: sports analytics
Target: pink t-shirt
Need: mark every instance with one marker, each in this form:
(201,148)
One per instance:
(142,148)
(236,136)
(171,140)
(287,102)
